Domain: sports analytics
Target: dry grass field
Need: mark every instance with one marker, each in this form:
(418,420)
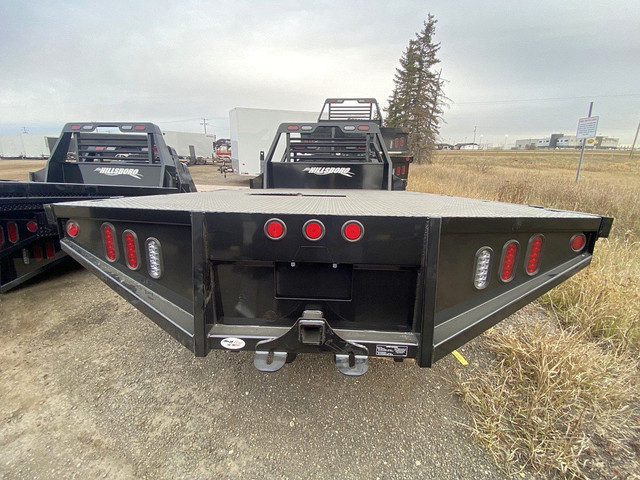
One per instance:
(564,397)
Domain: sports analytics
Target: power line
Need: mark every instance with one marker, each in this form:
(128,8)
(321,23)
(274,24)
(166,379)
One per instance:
(548,99)
(204,124)
(193,119)
(179,121)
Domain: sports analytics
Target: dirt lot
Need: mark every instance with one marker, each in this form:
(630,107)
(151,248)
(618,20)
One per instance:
(91,388)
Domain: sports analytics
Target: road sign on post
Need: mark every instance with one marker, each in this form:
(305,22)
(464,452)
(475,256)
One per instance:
(587,128)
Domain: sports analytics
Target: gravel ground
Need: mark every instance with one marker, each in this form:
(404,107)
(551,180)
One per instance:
(91,388)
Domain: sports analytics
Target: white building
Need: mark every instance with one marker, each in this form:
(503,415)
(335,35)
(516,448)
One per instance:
(568,141)
(607,142)
(527,143)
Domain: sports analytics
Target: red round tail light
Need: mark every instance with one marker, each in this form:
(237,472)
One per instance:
(275,229)
(32,226)
(313,230)
(72,228)
(352,231)
(578,241)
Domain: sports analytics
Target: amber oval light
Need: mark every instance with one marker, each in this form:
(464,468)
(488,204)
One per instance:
(352,231)
(578,241)
(275,229)
(72,228)
(313,230)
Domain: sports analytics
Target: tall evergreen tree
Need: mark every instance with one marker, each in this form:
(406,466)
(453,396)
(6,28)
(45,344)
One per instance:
(418,98)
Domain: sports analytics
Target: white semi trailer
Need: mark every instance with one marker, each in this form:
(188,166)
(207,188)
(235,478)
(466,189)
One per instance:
(253,130)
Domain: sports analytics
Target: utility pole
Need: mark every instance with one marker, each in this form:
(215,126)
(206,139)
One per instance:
(24,130)
(584,142)
(633,146)
(475,129)
(204,124)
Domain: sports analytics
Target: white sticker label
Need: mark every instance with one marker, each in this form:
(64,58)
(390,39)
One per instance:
(232,343)
(392,350)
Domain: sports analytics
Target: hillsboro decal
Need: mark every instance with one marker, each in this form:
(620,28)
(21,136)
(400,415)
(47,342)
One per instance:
(112,172)
(344,171)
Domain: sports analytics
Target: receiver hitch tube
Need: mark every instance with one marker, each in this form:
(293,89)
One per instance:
(311,332)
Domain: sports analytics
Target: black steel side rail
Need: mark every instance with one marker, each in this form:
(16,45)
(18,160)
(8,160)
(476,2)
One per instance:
(462,328)
(167,315)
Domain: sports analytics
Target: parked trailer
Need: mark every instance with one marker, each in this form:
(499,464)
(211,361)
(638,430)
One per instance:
(252,130)
(348,268)
(83,164)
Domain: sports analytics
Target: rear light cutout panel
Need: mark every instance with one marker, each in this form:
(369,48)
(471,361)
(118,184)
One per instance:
(457,261)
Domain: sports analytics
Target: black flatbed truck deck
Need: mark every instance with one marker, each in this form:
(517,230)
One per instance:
(407,287)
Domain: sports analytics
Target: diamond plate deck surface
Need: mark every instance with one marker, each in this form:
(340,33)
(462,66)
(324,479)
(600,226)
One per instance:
(331,202)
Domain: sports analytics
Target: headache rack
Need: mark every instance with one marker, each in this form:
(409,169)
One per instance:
(350,109)
(114,153)
(328,154)
(396,139)
(132,148)
(332,145)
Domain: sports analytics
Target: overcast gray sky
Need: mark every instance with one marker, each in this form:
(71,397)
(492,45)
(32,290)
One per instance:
(514,68)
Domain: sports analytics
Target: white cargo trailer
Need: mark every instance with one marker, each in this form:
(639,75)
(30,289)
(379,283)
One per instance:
(23,145)
(203,143)
(253,130)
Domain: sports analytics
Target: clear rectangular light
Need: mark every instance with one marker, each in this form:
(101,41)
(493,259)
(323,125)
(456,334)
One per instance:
(482,267)
(154,257)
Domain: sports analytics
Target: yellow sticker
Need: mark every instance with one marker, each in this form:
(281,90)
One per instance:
(460,358)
